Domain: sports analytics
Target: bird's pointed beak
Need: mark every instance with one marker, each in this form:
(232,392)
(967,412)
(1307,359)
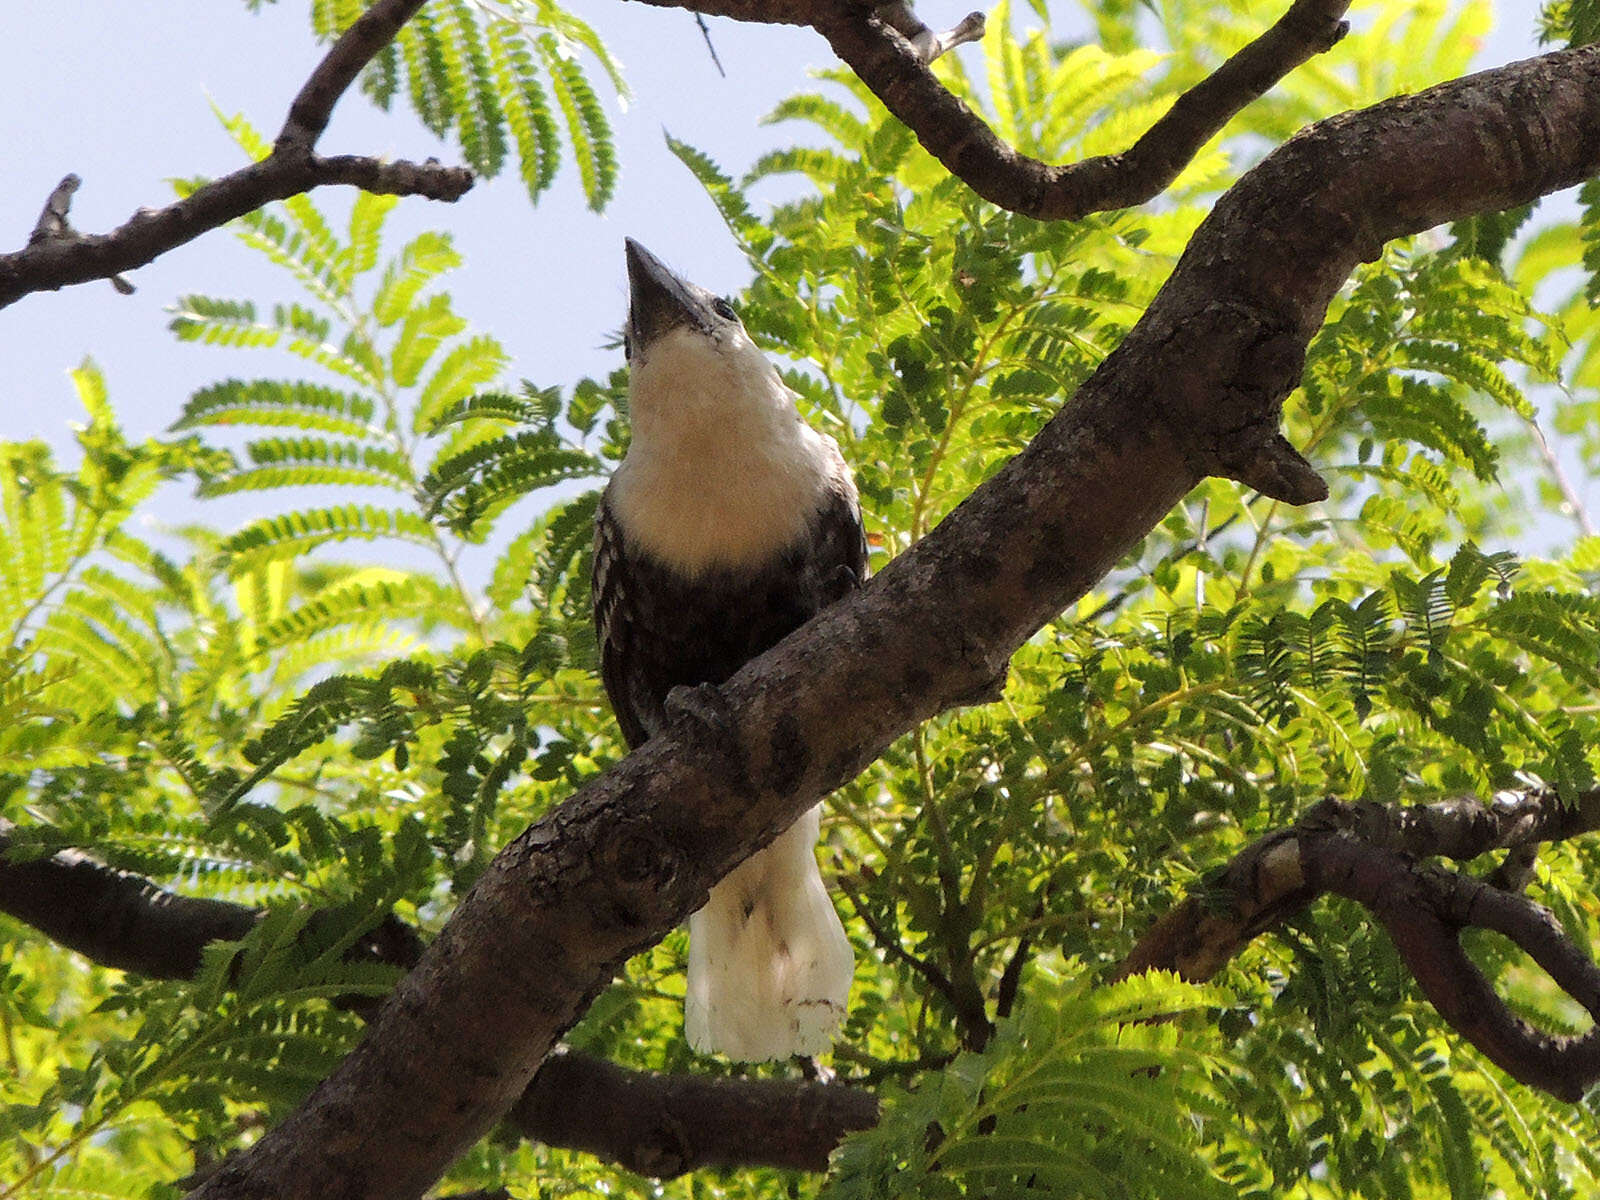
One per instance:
(658,300)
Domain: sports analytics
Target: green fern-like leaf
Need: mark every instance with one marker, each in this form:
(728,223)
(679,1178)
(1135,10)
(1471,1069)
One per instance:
(219,322)
(833,118)
(820,167)
(330,18)
(1487,235)
(357,602)
(422,260)
(367,215)
(1426,606)
(234,323)
(424,326)
(537,407)
(380,80)
(1471,369)
(575,29)
(468,366)
(1576,22)
(470,487)
(306,250)
(1413,410)
(424,54)
(479,119)
(753,236)
(289,535)
(1055,1106)
(588,130)
(286,404)
(1557,627)
(527,108)
(307,461)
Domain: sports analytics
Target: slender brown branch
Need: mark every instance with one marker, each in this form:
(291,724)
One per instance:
(870,39)
(115,918)
(969,149)
(654,1124)
(57,255)
(1005,996)
(1369,853)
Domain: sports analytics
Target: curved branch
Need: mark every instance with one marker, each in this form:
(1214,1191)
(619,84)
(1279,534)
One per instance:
(57,255)
(1367,853)
(969,149)
(650,1123)
(1194,389)
(890,51)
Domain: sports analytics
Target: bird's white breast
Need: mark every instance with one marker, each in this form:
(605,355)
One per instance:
(721,472)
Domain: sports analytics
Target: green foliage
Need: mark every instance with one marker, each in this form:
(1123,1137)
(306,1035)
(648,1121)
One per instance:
(1575,22)
(240,716)
(495,80)
(256,715)
(485,76)
(1088,1091)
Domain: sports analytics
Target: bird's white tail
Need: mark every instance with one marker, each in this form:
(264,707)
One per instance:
(769,964)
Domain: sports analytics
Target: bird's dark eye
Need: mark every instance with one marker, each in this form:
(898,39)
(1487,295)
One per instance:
(723,309)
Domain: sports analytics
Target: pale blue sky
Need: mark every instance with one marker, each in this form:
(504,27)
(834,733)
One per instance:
(118,93)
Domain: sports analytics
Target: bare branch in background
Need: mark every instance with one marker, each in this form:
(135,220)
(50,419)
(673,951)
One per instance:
(891,50)
(57,255)
(1369,853)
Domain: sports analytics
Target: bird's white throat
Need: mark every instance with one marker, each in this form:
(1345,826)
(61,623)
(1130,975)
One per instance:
(721,470)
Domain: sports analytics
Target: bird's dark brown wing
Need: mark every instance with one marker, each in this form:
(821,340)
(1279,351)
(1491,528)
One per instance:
(614,622)
(659,630)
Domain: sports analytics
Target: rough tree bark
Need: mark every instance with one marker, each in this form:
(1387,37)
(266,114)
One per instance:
(1194,390)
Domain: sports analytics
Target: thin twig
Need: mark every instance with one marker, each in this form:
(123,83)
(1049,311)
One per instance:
(1569,494)
(705,32)
(891,946)
(368,34)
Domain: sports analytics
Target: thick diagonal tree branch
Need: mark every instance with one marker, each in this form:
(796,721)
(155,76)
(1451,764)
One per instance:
(57,255)
(1195,389)
(654,1124)
(870,39)
(1368,853)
